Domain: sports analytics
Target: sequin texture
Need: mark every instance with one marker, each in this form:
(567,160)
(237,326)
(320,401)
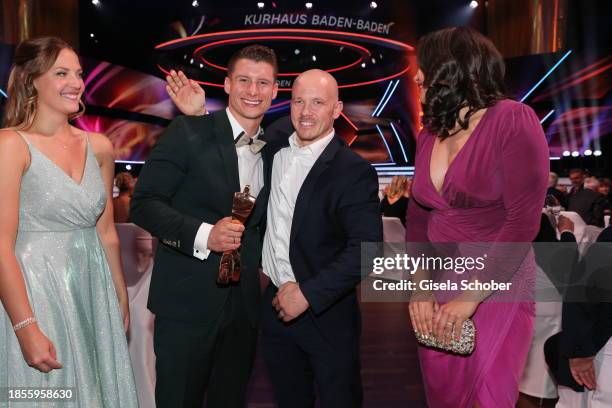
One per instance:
(70,289)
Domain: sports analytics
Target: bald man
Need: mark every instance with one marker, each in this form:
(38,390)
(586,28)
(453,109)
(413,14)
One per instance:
(323,204)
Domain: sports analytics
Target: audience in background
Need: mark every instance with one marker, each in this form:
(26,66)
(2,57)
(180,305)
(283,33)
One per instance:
(396,196)
(604,189)
(591,183)
(125,182)
(585,199)
(604,186)
(553,190)
(576,177)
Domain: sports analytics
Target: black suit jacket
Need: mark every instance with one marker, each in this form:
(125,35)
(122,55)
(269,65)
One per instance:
(586,324)
(336,210)
(191,177)
(589,204)
(562,198)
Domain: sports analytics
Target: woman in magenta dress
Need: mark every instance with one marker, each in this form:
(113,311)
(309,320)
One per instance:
(481,176)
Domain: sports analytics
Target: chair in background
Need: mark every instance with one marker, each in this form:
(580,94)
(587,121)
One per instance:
(137,252)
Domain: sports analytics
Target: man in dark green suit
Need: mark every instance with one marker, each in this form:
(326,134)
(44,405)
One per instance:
(205,333)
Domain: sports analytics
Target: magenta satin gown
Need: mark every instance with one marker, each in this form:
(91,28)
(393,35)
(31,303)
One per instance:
(493,192)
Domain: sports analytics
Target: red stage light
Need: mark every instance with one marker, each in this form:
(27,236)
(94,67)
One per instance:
(362,50)
(327,36)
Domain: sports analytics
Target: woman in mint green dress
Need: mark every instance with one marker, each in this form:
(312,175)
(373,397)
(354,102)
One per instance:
(64,303)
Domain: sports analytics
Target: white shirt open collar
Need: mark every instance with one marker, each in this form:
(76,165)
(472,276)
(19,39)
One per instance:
(236,128)
(315,148)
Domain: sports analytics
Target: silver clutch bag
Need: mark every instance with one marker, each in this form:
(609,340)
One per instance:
(465,345)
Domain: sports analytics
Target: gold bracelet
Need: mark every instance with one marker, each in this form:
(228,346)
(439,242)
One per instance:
(24,323)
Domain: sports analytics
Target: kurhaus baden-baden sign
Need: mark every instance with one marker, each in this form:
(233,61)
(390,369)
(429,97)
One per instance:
(317,20)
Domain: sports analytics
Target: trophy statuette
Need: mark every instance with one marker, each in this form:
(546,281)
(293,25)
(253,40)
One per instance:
(229,268)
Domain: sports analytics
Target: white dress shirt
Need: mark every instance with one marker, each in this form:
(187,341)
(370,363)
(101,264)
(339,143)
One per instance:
(291,166)
(250,171)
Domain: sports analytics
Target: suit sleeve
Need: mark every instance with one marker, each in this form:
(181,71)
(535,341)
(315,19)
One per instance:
(359,216)
(587,316)
(160,179)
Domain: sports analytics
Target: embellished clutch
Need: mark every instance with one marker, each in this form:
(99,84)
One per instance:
(464,346)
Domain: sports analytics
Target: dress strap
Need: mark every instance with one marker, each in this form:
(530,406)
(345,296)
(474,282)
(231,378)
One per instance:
(25,139)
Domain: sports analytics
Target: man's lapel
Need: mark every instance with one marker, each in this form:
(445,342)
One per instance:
(227,149)
(308,188)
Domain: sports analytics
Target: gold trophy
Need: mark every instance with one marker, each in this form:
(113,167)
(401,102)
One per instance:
(229,268)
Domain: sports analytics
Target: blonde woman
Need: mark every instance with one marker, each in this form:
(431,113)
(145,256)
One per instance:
(395,201)
(64,302)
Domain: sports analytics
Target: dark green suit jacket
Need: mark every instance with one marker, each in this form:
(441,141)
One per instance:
(191,177)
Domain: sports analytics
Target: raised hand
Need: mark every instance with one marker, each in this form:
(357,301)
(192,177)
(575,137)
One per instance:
(187,95)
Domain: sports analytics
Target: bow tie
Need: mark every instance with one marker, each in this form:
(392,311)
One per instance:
(255,146)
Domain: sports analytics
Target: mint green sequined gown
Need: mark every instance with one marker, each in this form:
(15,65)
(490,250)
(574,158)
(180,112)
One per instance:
(70,289)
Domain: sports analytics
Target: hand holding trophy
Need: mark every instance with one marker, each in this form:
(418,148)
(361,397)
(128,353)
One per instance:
(229,268)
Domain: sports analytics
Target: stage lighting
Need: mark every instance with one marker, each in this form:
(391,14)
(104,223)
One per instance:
(588,152)
(195,3)
(92,35)
(191,61)
(363,65)
(473,4)
(308,5)
(373,5)
(373,60)
(261,5)
(201,65)
(296,51)
(566,153)
(597,153)
(575,153)
(95,2)
(128,167)
(314,58)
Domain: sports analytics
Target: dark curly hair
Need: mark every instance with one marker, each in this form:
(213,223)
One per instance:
(462,68)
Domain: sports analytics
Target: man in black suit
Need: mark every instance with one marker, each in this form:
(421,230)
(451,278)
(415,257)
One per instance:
(579,356)
(205,333)
(576,177)
(589,204)
(323,204)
